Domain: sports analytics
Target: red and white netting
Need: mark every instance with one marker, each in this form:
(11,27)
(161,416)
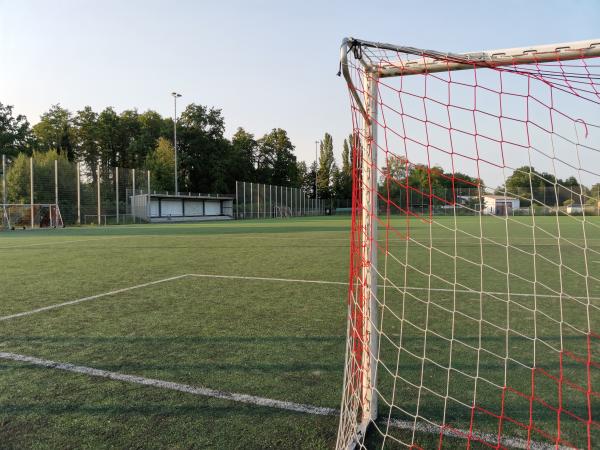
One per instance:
(474,295)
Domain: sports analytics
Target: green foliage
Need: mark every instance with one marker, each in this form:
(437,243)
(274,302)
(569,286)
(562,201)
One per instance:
(55,131)
(244,152)
(529,184)
(161,164)
(18,184)
(276,162)
(326,167)
(15,134)
(208,162)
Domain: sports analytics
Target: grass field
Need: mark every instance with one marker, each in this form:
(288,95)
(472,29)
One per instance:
(152,307)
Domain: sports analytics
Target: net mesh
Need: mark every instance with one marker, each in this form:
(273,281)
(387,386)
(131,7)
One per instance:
(474,292)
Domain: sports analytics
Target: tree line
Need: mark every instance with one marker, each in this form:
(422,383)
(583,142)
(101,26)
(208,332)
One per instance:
(208,161)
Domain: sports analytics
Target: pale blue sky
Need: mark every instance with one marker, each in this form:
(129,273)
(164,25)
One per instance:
(265,63)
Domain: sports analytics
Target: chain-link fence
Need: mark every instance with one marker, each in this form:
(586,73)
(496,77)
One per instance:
(80,194)
(262,201)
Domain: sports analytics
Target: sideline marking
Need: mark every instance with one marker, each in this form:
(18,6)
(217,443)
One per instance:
(263,401)
(87,299)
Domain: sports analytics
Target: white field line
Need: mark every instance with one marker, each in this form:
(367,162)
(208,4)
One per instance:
(408,288)
(505,441)
(69,241)
(195,390)
(286,280)
(257,401)
(87,299)
(251,278)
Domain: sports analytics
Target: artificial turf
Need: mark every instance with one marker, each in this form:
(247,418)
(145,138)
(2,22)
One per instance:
(282,339)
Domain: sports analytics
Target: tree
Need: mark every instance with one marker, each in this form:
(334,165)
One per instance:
(276,162)
(18,180)
(15,134)
(161,164)
(326,167)
(110,138)
(342,179)
(54,131)
(527,183)
(86,139)
(204,153)
(346,155)
(244,153)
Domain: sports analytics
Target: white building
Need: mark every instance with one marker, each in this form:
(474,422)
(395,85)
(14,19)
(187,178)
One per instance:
(182,208)
(500,205)
(574,209)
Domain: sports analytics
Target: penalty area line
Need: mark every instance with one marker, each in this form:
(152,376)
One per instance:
(87,299)
(429,428)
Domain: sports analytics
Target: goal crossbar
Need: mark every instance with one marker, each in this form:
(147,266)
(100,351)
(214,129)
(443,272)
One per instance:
(432,61)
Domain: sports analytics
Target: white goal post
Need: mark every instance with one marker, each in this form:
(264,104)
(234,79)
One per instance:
(16,216)
(434,132)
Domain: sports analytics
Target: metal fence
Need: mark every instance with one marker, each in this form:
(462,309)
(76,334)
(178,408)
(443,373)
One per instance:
(262,201)
(84,195)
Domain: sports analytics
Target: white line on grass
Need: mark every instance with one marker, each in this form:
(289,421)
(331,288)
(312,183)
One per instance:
(57,242)
(251,278)
(87,299)
(286,280)
(408,288)
(195,390)
(261,401)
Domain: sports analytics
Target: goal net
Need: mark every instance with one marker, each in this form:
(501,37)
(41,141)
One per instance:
(474,281)
(25,216)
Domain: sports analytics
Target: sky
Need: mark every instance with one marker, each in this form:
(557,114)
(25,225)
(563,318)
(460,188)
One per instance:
(266,63)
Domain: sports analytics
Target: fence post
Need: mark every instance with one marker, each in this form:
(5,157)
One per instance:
(98,207)
(53,223)
(237,201)
(117,192)
(149,202)
(55,183)
(78,197)
(31,189)
(4,179)
(132,196)
(244,189)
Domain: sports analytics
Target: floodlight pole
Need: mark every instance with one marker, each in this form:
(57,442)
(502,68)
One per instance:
(175,97)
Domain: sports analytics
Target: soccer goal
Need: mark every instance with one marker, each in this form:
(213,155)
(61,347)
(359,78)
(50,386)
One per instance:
(25,216)
(474,291)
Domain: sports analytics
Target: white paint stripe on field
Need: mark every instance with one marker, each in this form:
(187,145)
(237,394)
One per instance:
(408,288)
(261,401)
(251,278)
(505,441)
(58,242)
(87,299)
(195,390)
(287,280)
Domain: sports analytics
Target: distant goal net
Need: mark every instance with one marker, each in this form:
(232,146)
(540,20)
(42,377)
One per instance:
(474,287)
(27,216)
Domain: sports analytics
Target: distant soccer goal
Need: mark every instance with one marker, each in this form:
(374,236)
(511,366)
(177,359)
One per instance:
(27,216)
(478,330)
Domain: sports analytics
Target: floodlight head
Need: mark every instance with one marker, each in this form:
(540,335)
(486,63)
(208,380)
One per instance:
(175,94)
